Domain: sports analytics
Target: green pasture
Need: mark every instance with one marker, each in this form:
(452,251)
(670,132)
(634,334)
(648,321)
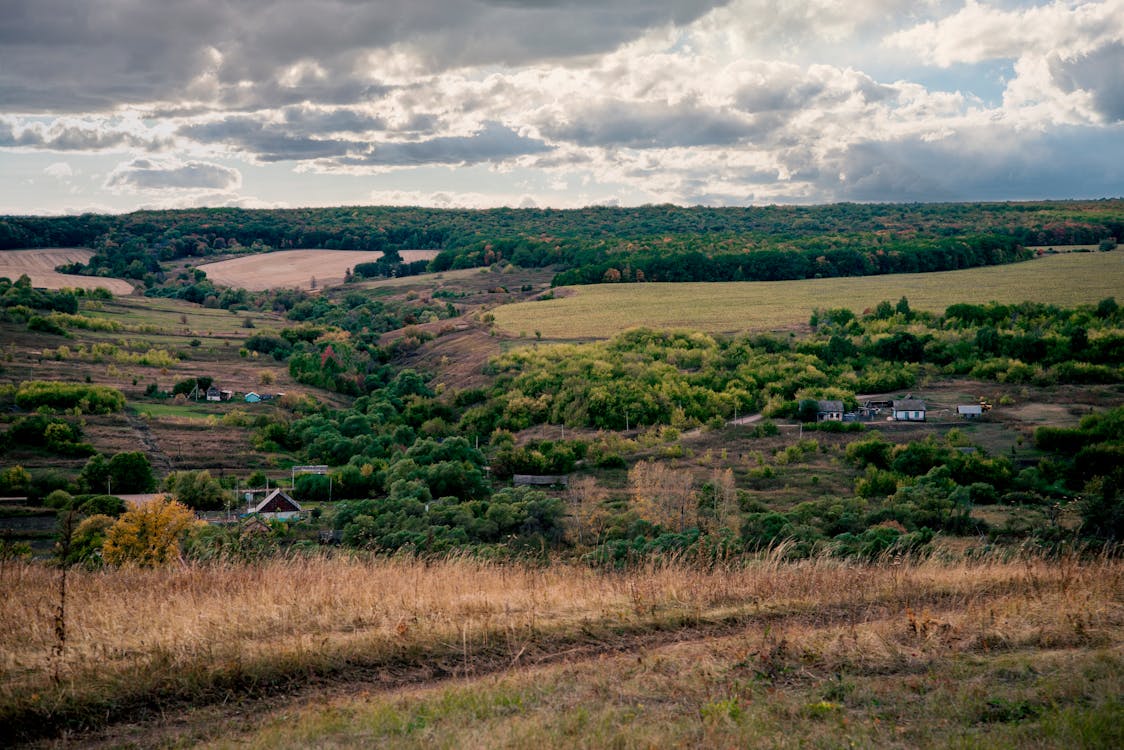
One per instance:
(599,311)
(171,316)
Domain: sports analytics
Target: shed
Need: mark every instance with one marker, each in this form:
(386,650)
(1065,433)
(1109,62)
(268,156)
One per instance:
(214,394)
(277,506)
(540,480)
(830,411)
(252,397)
(909,410)
(970,411)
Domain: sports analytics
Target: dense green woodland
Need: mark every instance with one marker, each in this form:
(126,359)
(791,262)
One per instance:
(593,245)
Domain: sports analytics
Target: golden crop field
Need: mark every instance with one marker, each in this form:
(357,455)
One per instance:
(40,264)
(600,311)
(295,268)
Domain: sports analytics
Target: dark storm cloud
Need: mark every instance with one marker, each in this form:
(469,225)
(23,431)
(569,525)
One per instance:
(1066,163)
(62,55)
(494,143)
(1101,73)
(266,142)
(649,125)
(303,134)
(145,174)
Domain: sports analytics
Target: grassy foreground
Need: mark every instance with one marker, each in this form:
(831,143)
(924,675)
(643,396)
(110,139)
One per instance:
(602,310)
(914,653)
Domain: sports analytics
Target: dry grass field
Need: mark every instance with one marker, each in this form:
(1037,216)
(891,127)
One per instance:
(300,269)
(342,652)
(39,265)
(602,310)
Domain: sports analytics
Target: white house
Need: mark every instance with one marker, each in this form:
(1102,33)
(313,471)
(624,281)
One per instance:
(970,411)
(909,410)
(830,411)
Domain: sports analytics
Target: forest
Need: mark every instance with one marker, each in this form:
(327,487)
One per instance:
(594,245)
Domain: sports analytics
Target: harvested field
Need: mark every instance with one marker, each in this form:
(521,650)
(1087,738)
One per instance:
(39,265)
(600,311)
(300,269)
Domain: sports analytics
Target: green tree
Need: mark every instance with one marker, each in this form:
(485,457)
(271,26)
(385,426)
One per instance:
(1102,509)
(87,541)
(197,490)
(131,473)
(95,474)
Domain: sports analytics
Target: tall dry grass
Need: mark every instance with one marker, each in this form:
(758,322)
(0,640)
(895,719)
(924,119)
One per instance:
(194,633)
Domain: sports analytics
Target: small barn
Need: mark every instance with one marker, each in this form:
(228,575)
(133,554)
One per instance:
(830,411)
(909,410)
(214,394)
(970,411)
(277,506)
(252,398)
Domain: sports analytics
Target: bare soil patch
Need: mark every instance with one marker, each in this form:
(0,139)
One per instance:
(39,265)
(301,269)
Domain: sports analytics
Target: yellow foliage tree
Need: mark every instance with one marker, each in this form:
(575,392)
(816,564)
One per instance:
(588,515)
(148,535)
(663,495)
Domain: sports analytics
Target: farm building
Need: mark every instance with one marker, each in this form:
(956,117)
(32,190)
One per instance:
(909,410)
(252,398)
(540,480)
(970,411)
(254,525)
(277,506)
(214,394)
(830,411)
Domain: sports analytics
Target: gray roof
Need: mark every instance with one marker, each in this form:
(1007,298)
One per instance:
(969,409)
(831,406)
(909,404)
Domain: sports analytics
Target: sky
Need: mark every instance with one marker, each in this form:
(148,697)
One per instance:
(116,105)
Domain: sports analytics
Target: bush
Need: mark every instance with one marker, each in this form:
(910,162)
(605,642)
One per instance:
(58,500)
(45,325)
(106,505)
(89,399)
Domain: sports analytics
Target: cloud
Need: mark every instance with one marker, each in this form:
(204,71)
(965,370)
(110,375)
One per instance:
(984,164)
(142,175)
(59,170)
(982,32)
(59,57)
(1101,73)
(687,101)
(69,135)
(266,141)
(649,125)
(493,143)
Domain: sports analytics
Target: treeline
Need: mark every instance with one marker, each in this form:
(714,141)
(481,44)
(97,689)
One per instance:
(592,245)
(385,228)
(799,259)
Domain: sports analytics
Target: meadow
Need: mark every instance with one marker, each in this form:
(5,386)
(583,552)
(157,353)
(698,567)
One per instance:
(602,310)
(340,651)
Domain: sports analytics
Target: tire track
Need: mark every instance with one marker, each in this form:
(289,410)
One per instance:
(159,459)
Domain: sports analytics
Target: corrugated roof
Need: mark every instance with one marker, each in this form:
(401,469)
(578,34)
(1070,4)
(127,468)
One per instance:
(909,404)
